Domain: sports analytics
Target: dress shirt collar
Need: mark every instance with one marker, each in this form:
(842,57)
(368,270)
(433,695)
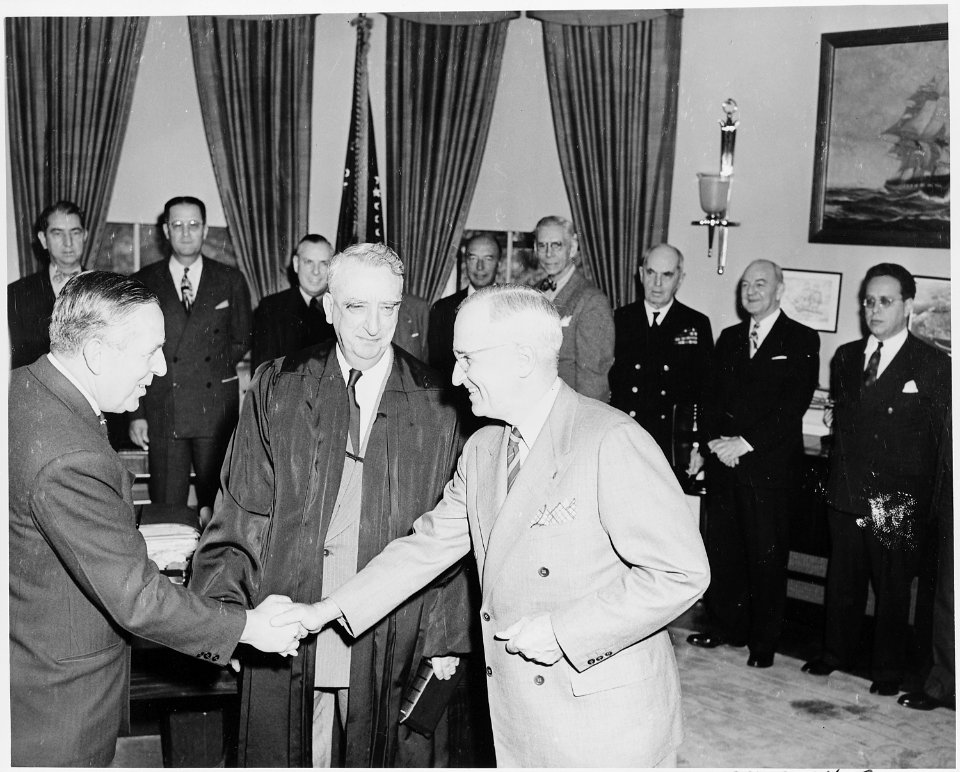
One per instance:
(307,297)
(69,376)
(58,285)
(531,426)
(176,271)
(766,324)
(891,347)
(663,312)
(561,279)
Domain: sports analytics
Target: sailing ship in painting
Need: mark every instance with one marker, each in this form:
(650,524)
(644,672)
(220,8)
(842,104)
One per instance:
(921,142)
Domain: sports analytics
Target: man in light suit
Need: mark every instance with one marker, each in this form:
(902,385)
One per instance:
(587,321)
(80,578)
(187,417)
(765,373)
(891,391)
(583,541)
(288,321)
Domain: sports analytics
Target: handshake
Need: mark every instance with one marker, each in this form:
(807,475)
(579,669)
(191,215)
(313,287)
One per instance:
(278,624)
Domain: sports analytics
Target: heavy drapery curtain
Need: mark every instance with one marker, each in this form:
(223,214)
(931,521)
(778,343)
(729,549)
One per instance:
(442,74)
(69,87)
(613,79)
(255,78)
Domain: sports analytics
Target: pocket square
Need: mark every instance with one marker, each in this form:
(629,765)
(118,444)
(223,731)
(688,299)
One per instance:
(910,387)
(222,304)
(778,356)
(561,512)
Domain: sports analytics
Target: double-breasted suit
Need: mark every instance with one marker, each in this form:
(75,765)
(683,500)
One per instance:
(656,370)
(761,399)
(199,397)
(883,465)
(29,305)
(80,578)
(596,533)
(283,324)
(586,353)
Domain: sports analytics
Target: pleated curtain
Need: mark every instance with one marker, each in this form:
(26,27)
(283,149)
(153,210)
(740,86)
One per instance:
(442,75)
(613,78)
(70,83)
(255,78)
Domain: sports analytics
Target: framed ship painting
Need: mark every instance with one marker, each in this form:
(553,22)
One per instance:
(930,318)
(812,297)
(882,164)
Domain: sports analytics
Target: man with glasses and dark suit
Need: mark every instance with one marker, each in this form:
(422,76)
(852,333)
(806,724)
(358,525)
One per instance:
(891,392)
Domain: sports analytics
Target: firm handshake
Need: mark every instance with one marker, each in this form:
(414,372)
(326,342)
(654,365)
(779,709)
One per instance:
(278,624)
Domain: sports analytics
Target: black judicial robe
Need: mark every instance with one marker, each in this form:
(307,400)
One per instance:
(279,484)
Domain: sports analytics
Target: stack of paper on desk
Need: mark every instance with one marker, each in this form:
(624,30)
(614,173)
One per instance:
(170,543)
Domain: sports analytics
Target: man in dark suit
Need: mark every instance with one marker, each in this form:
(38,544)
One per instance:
(766,370)
(339,448)
(662,358)
(61,232)
(588,333)
(288,321)
(413,322)
(80,578)
(481,259)
(187,417)
(891,393)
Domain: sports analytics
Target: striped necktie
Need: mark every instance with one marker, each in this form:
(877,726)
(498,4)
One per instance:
(513,456)
(873,365)
(754,338)
(186,291)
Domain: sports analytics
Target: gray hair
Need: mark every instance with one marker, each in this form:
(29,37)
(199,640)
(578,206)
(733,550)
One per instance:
(91,303)
(551,219)
(777,270)
(536,318)
(665,245)
(373,255)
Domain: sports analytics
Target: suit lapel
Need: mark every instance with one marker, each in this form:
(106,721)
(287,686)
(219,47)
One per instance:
(535,484)
(65,391)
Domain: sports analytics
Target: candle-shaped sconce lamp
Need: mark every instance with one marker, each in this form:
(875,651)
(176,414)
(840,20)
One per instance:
(715,188)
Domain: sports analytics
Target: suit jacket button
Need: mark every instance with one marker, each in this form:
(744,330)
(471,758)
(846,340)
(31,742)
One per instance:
(326,552)
(486,617)
(538,680)
(889,410)
(591,662)
(489,670)
(206,359)
(599,657)
(544,571)
(174,360)
(608,654)
(663,393)
(666,368)
(633,413)
(636,366)
(209,384)
(663,418)
(634,390)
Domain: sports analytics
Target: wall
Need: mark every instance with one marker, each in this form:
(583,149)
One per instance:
(741,53)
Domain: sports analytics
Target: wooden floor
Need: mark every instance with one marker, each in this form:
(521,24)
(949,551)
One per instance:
(739,717)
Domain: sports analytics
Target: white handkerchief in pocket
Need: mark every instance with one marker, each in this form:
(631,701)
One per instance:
(778,356)
(910,387)
(222,304)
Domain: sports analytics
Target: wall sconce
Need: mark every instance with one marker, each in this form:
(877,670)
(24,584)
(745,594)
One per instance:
(715,188)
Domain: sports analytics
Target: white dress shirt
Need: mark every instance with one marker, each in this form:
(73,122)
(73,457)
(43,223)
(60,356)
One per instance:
(531,426)
(368,387)
(176,271)
(891,347)
(662,312)
(766,324)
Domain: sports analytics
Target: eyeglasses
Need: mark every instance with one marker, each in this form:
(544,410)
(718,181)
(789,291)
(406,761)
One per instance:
(463,357)
(190,225)
(551,246)
(883,301)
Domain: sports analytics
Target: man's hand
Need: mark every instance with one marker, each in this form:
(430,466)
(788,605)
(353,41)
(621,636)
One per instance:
(260,633)
(696,463)
(444,667)
(312,617)
(729,449)
(532,638)
(138,433)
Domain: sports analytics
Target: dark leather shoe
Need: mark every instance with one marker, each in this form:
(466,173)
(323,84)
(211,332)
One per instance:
(760,660)
(705,640)
(885,688)
(817,667)
(921,701)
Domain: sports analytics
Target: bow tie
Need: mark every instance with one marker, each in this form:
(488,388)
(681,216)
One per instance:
(60,278)
(548,285)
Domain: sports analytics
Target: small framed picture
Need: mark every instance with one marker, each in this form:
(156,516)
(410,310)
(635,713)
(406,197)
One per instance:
(812,297)
(930,318)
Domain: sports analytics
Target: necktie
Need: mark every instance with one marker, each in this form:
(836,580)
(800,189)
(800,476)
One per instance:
(754,338)
(513,456)
(656,324)
(186,291)
(870,374)
(548,285)
(354,410)
(315,305)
